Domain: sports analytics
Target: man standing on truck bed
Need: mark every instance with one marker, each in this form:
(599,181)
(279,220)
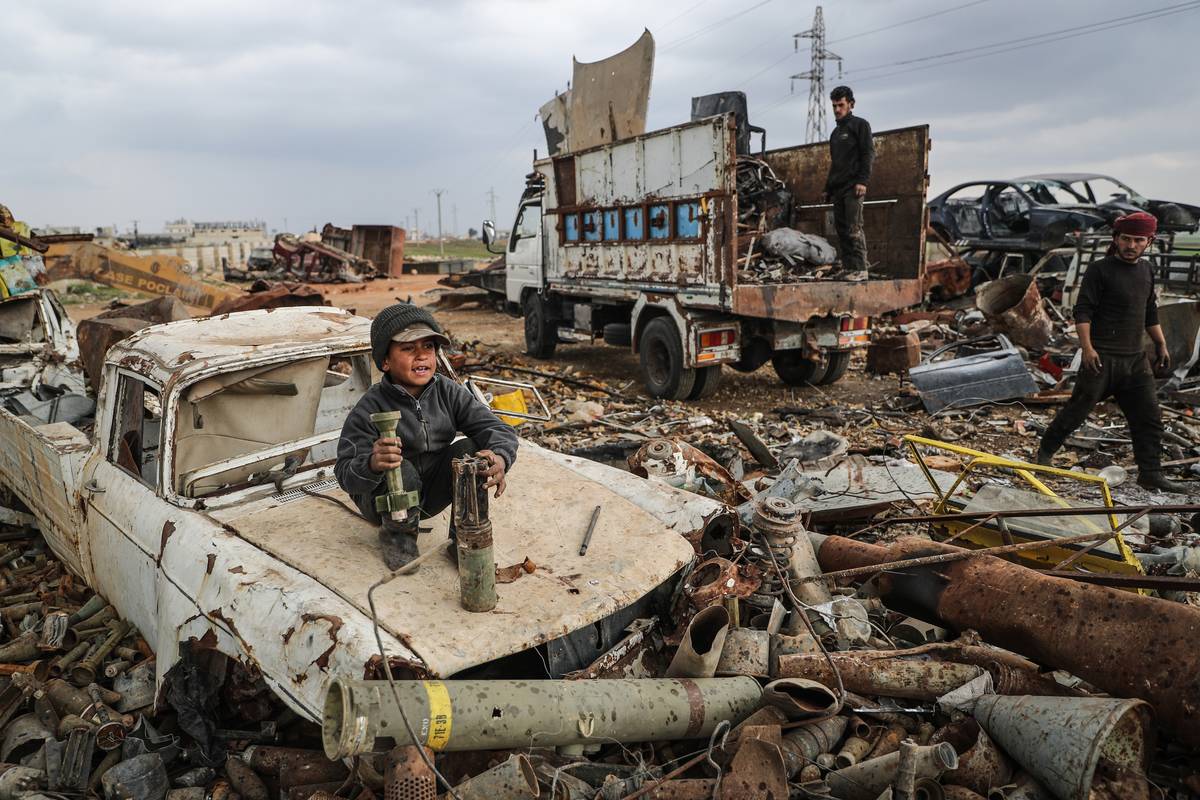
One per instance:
(851,153)
(1116,303)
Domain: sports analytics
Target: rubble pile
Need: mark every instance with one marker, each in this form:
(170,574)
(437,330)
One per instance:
(768,250)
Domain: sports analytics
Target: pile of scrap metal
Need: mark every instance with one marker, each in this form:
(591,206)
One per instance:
(820,666)
(306,258)
(81,714)
(768,250)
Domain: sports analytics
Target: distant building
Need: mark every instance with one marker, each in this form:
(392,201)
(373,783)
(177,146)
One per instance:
(208,246)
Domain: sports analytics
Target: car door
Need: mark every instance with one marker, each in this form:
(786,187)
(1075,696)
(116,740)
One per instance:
(127,522)
(523,261)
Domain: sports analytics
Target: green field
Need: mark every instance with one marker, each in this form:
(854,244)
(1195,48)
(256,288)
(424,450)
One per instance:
(455,248)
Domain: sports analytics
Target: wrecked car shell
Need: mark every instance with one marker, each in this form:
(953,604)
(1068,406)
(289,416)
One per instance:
(277,577)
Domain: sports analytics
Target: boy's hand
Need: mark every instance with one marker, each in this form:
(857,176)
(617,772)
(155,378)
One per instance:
(494,471)
(385,455)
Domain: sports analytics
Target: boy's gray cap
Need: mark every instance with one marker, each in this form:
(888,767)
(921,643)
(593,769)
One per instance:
(418,332)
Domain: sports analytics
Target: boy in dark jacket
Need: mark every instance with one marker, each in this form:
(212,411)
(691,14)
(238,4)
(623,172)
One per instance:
(434,409)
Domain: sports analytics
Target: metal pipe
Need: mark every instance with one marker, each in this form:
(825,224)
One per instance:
(889,677)
(493,715)
(93,606)
(473,529)
(1122,643)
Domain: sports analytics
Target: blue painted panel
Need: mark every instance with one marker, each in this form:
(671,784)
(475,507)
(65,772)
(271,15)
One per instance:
(612,225)
(660,222)
(635,227)
(571,227)
(687,220)
(591,226)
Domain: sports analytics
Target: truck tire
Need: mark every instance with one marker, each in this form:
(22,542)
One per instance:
(661,355)
(837,363)
(795,369)
(755,353)
(707,381)
(541,332)
(618,334)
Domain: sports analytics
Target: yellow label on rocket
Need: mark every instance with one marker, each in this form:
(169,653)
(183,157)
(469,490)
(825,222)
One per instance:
(439,714)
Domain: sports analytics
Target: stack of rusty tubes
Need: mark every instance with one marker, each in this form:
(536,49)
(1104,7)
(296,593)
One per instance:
(78,715)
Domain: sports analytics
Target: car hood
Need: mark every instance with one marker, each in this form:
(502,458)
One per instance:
(540,520)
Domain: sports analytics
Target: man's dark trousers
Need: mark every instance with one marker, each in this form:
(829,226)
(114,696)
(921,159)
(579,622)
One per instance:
(848,221)
(1129,381)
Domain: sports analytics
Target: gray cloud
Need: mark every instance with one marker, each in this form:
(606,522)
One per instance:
(354,111)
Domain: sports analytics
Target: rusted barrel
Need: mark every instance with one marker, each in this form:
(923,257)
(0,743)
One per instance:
(1013,305)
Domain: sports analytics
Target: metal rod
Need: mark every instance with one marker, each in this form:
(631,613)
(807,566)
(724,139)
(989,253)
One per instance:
(942,558)
(591,528)
(1084,511)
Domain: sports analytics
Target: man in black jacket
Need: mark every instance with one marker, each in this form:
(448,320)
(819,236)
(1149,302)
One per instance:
(434,409)
(1116,303)
(851,153)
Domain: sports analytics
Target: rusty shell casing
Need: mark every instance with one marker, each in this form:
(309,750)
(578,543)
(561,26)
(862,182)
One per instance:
(93,606)
(1124,644)
(852,751)
(476,559)
(867,780)
(496,715)
(802,746)
(97,620)
(23,648)
(301,765)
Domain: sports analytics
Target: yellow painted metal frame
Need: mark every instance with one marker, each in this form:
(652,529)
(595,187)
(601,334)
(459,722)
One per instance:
(982,536)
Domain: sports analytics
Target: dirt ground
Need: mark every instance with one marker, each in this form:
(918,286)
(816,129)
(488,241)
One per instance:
(871,412)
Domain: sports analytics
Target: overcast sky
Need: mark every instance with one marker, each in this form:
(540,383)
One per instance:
(354,111)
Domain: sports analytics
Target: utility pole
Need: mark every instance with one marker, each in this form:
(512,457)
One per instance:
(416,224)
(454,220)
(441,241)
(491,193)
(135,235)
(817,103)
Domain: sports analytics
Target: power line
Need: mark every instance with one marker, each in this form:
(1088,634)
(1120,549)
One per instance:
(1066,33)
(683,14)
(1049,36)
(774,64)
(711,26)
(909,21)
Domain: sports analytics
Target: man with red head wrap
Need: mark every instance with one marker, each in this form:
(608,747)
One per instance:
(1116,304)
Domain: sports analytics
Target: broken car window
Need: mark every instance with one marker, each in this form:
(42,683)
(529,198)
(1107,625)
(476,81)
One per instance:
(134,446)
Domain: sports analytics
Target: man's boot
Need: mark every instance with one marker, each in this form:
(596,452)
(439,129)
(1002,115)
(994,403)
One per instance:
(1045,455)
(398,541)
(1157,480)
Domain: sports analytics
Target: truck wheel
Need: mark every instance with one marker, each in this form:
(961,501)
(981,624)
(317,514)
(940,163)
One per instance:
(662,361)
(541,332)
(755,353)
(618,334)
(794,369)
(707,381)
(836,363)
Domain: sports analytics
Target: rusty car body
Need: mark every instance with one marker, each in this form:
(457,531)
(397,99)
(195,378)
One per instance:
(178,508)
